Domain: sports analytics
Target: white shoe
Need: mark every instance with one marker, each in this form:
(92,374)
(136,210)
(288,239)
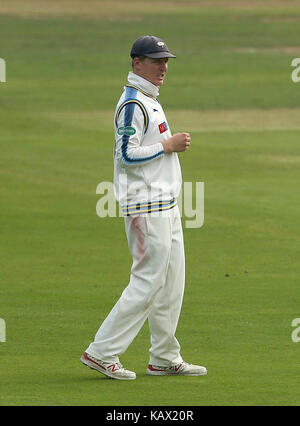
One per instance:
(114,371)
(182,369)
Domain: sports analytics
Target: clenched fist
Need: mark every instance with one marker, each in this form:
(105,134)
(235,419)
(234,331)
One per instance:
(177,143)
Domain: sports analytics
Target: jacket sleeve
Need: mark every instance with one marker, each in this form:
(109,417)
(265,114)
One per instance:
(131,123)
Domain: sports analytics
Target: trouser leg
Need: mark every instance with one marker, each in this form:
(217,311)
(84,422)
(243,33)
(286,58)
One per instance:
(164,315)
(149,240)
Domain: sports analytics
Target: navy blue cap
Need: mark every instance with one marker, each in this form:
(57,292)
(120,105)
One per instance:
(150,46)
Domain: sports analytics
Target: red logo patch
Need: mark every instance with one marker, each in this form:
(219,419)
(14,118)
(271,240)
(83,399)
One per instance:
(163,127)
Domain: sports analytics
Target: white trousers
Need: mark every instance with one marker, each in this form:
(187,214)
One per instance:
(155,291)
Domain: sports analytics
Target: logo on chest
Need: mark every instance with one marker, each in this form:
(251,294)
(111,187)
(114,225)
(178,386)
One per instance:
(163,127)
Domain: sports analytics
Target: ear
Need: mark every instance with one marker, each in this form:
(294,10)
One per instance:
(136,63)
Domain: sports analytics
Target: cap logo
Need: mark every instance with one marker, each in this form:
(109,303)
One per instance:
(160,43)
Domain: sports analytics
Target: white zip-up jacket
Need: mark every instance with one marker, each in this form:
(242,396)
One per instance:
(145,178)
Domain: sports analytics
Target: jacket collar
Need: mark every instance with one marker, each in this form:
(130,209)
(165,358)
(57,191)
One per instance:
(143,84)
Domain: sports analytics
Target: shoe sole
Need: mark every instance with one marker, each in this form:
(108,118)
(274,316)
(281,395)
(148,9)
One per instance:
(164,373)
(106,373)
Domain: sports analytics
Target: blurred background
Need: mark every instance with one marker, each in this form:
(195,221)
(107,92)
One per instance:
(62,267)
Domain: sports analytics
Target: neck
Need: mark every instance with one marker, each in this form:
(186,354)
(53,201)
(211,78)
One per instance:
(143,84)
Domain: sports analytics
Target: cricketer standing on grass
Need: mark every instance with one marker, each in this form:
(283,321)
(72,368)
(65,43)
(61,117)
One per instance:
(145,152)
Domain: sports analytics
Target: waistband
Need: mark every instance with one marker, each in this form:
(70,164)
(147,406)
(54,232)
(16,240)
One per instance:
(148,207)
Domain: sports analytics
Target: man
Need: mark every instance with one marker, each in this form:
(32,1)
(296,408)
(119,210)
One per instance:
(147,181)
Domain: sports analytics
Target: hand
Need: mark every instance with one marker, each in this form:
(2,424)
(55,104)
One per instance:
(177,143)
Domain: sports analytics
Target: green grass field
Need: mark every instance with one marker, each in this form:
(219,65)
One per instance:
(63,268)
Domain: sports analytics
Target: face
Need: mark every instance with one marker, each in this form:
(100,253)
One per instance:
(153,70)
